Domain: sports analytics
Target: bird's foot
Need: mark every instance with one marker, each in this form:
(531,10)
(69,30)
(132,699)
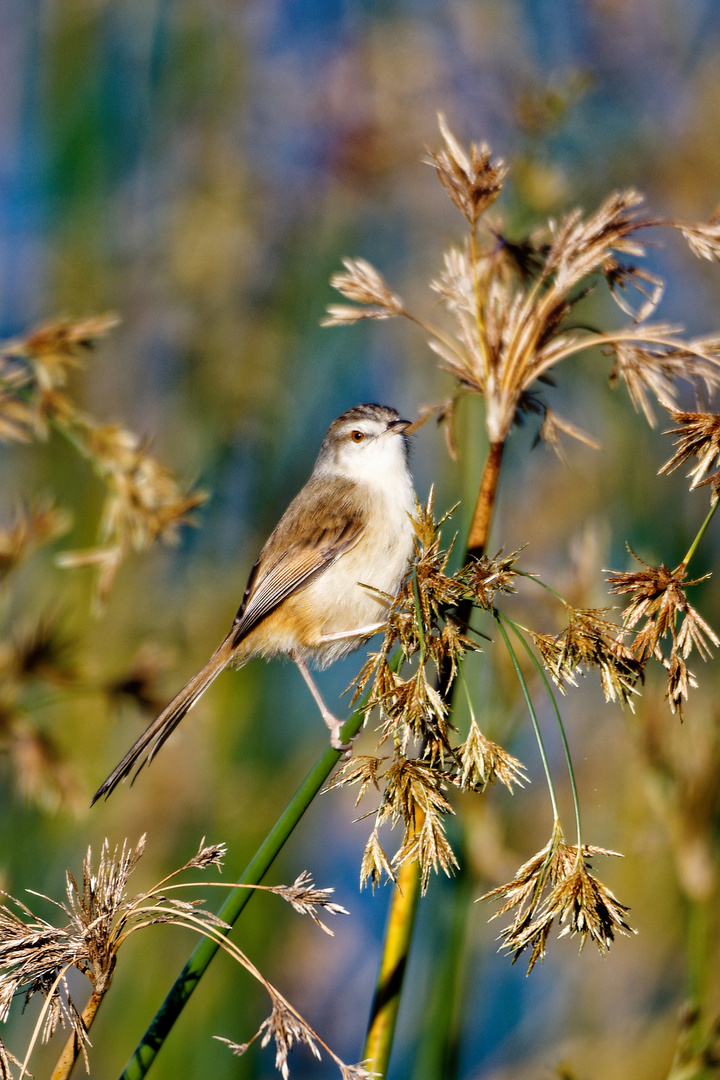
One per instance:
(336,740)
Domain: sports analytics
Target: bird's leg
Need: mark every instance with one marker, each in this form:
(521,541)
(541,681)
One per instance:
(361,631)
(332,721)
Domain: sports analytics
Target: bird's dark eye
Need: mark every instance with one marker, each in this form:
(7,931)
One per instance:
(357,436)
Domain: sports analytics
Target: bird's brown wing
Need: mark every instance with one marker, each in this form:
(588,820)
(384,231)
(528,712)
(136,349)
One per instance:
(323,523)
(319,526)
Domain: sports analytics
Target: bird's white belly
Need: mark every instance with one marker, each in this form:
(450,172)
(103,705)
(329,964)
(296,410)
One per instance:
(339,596)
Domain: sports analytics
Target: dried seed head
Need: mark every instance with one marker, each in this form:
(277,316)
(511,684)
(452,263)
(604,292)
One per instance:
(698,436)
(591,641)
(482,762)
(704,239)
(375,863)
(657,361)
(362,283)
(305,898)
(658,597)
(557,883)
(145,502)
(208,855)
(471,179)
(286,1028)
(509,301)
(36,525)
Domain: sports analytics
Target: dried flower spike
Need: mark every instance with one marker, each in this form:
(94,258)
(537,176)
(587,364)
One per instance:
(557,884)
(658,597)
(698,436)
(482,762)
(591,641)
(471,179)
(362,283)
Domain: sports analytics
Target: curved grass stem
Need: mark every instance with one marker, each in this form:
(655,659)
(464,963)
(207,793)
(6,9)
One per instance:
(73,1047)
(561,726)
(531,709)
(698,538)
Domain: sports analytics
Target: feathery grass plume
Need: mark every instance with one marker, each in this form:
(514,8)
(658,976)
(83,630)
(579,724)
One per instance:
(414,794)
(375,865)
(145,502)
(362,282)
(704,239)
(35,368)
(36,955)
(286,1029)
(658,597)
(557,884)
(471,180)
(510,301)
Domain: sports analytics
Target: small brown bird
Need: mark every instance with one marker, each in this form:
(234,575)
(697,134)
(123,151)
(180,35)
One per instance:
(316,591)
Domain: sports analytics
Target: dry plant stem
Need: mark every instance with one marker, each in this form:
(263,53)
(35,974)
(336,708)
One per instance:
(482,516)
(398,934)
(71,1050)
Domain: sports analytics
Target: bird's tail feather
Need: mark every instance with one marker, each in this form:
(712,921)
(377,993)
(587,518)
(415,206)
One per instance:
(143,751)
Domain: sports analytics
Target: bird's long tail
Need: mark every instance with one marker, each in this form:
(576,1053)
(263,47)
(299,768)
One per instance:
(143,751)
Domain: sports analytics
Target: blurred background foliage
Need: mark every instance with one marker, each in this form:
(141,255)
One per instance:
(200,167)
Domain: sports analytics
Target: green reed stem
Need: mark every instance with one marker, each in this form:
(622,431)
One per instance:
(388,989)
(563,736)
(699,536)
(531,710)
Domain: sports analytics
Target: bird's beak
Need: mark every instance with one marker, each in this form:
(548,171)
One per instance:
(406,427)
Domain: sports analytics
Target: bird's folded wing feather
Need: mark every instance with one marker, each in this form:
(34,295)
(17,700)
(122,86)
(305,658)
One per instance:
(281,571)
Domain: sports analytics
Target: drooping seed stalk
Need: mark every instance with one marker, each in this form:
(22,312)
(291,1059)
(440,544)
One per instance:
(561,727)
